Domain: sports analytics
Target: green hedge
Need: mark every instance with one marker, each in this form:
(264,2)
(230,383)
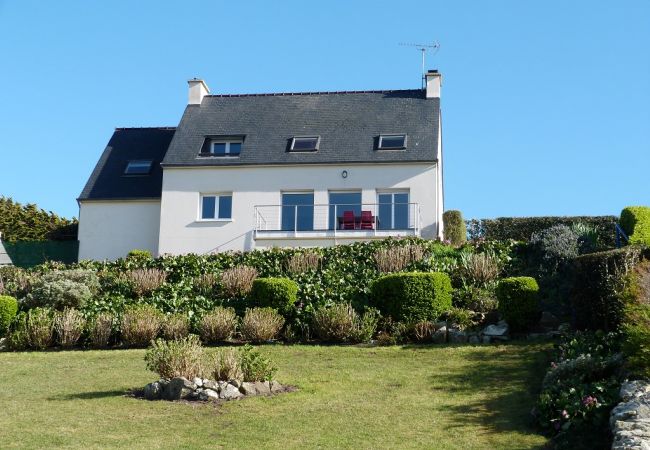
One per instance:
(277,293)
(597,284)
(32,253)
(454,227)
(412,297)
(522,228)
(8,310)
(20,222)
(635,221)
(518,299)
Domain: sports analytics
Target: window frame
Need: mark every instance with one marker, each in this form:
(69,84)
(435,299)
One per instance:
(227,153)
(217,196)
(392,193)
(136,161)
(292,145)
(389,135)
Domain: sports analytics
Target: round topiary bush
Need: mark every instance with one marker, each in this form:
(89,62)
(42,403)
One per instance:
(8,310)
(277,293)
(518,299)
(412,297)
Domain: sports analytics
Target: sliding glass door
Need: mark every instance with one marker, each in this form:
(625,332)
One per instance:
(393,211)
(298,211)
(340,202)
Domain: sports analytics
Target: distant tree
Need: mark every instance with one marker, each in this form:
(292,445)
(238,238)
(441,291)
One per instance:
(20,222)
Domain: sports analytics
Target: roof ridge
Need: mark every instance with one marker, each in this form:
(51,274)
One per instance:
(280,94)
(144,128)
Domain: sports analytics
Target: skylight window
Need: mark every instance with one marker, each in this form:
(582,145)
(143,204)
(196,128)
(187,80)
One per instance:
(138,168)
(304,143)
(392,141)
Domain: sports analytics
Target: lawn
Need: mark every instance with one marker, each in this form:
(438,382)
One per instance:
(451,397)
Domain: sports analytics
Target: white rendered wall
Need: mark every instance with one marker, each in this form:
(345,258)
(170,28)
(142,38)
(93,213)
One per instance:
(110,229)
(181,231)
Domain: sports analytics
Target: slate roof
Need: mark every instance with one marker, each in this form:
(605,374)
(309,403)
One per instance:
(108,182)
(348,123)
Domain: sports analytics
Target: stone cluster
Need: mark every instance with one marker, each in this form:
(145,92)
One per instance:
(208,390)
(630,419)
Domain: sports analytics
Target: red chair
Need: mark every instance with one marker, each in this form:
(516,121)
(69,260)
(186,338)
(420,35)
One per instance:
(367,220)
(348,220)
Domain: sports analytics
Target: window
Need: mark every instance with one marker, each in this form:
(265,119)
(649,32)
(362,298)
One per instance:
(225,148)
(304,143)
(393,211)
(138,168)
(392,141)
(216,207)
(298,211)
(340,202)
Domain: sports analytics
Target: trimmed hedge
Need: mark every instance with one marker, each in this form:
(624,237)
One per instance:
(8,310)
(522,228)
(519,302)
(412,297)
(635,221)
(454,227)
(598,281)
(20,222)
(277,293)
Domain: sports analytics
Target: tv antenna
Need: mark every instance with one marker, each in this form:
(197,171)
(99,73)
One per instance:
(434,47)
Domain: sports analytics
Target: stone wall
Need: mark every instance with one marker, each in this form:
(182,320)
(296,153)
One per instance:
(630,419)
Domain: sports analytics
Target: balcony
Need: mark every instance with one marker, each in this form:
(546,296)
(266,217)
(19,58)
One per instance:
(334,222)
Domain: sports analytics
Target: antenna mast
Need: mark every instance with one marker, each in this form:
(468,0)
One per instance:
(435,46)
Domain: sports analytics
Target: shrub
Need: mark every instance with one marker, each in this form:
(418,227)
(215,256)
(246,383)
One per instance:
(175,326)
(476,299)
(636,343)
(63,289)
(254,366)
(140,255)
(237,282)
(261,324)
(396,258)
(519,302)
(140,324)
(598,281)
(277,293)
(479,269)
(302,262)
(206,284)
(460,318)
(226,365)
(454,227)
(218,325)
(101,328)
(556,246)
(522,228)
(17,338)
(635,221)
(15,281)
(423,331)
(8,311)
(145,281)
(335,323)
(39,328)
(412,297)
(176,358)
(69,325)
(365,326)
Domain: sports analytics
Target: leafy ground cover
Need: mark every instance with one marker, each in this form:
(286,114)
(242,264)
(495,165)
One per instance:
(453,397)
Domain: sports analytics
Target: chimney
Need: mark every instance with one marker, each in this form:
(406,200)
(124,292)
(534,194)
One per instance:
(198,90)
(433,83)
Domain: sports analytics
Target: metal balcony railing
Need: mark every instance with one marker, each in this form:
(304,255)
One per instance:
(336,218)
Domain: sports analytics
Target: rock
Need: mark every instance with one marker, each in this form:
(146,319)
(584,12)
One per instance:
(440,335)
(229,392)
(248,388)
(457,336)
(198,381)
(179,388)
(474,339)
(275,387)
(153,391)
(630,419)
(500,329)
(209,384)
(209,395)
(235,383)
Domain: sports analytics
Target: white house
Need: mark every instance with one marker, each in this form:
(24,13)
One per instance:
(249,171)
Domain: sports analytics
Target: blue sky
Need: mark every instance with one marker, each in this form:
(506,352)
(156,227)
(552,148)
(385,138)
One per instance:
(546,104)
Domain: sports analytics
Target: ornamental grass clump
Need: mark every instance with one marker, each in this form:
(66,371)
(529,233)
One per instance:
(237,281)
(341,323)
(69,325)
(100,330)
(423,331)
(140,324)
(218,325)
(39,328)
(479,269)
(303,262)
(226,365)
(394,259)
(145,281)
(261,324)
(206,284)
(176,358)
(176,326)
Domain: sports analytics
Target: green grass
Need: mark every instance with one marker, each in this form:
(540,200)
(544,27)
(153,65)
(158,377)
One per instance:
(465,397)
